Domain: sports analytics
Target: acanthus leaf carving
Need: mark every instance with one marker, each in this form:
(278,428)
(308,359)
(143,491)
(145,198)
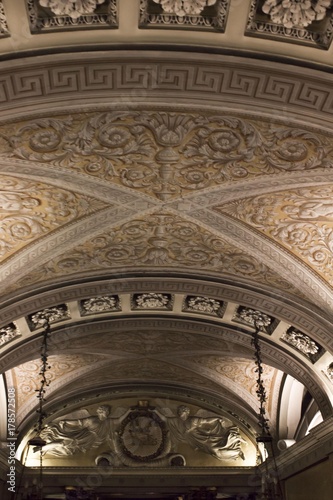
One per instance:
(71,8)
(296,13)
(184,7)
(166,154)
(32,209)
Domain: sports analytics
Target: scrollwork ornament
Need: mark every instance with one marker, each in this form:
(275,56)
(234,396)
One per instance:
(295,149)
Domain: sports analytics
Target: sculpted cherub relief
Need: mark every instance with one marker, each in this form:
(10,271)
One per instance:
(67,437)
(143,428)
(213,435)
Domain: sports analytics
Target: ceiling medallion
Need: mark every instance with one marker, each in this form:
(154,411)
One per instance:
(142,435)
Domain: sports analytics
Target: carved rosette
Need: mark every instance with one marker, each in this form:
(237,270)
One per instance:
(203,305)
(303,343)
(51,314)
(71,8)
(143,435)
(307,22)
(295,13)
(52,15)
(8,333)
(254,318)
(152,301)
(100,304)
(184,14)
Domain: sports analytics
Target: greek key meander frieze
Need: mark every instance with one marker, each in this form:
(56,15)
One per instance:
(184,14)
(306,22)
(215,82)
(53,15)
(301,220)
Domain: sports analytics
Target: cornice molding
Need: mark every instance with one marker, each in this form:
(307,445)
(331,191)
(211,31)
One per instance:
(210,80)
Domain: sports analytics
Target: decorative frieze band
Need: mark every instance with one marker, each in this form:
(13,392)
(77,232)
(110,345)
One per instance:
(211,81)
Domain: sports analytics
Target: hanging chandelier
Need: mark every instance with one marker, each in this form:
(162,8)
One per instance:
(270,482)
(35,490)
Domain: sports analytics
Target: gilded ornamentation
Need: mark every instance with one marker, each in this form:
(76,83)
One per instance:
(100,304)
(301,220)
(8,333)
(301,342)
(296,13)
(53,315)
(71,8)
(203,305)
(152,301)
(29,210)
(184,7)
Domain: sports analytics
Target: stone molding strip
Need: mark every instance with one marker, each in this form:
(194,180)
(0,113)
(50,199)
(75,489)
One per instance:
(230,82)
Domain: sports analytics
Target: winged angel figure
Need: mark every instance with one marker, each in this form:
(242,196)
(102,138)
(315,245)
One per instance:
(184,7)
(80,431)
(214,435)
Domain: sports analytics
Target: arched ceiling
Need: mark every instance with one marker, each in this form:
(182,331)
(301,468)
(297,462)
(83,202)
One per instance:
(155,200)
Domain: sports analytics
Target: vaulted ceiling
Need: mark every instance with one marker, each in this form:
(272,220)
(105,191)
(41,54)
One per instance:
(161,191)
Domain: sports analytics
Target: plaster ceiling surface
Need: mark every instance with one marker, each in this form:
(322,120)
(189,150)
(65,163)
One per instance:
(163,188)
